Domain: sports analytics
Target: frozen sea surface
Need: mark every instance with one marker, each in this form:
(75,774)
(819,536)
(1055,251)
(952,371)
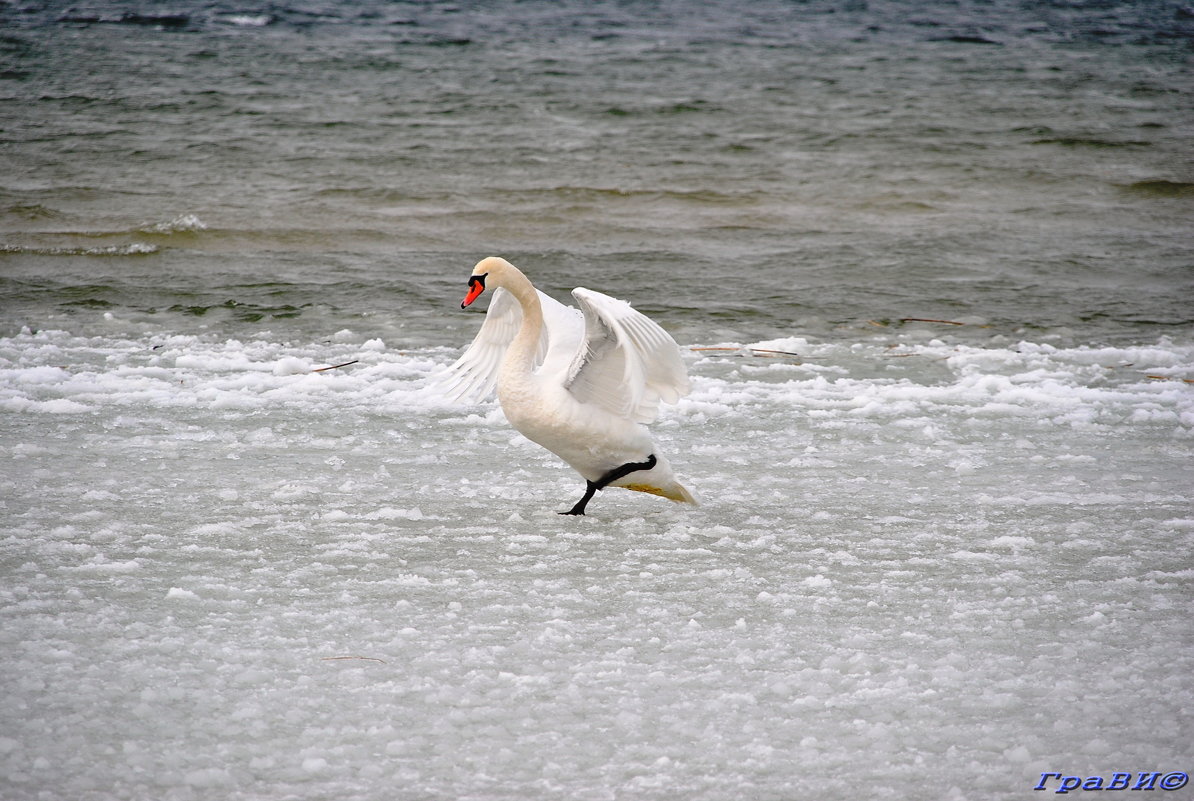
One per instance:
(923,568)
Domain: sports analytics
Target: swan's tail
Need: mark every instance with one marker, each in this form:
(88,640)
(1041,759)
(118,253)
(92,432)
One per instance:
(673,492)
(682,495)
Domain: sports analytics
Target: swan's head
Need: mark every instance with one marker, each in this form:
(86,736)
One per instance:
(494,270)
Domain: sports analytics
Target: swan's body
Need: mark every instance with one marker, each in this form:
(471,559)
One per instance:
(581,385)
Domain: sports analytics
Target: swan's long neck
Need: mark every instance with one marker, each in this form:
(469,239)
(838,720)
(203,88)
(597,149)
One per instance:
(519,361)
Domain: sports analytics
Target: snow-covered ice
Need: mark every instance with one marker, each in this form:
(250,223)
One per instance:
(922,568)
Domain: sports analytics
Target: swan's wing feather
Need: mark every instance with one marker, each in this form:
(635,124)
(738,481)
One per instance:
(563,330)
(474,375)
(598,373)
(627,364)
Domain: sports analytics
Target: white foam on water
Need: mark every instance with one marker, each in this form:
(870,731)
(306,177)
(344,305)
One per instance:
(247,20)
(921,569)
(131,249)
(183,223)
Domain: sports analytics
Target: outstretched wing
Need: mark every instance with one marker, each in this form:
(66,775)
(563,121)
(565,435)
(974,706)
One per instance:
(627,364)
(473,377)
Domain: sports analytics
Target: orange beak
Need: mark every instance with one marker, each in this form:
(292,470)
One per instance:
(476,285)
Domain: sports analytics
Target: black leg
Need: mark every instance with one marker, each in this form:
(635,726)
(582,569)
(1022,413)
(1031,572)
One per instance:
(607,479)
(579,509)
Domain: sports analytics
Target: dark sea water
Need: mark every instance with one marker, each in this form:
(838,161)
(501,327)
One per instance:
(931,267)
(742,170)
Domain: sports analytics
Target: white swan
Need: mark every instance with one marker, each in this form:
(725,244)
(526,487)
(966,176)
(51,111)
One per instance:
(581,386)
